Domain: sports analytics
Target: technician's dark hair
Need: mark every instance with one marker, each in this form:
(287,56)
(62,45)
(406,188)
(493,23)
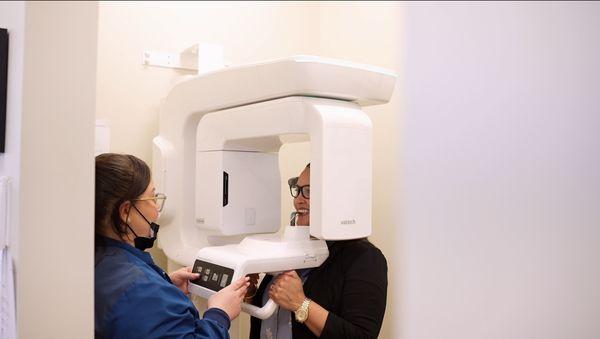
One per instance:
(119,178)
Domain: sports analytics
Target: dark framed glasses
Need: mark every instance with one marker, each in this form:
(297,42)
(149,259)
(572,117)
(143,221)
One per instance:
(296,190)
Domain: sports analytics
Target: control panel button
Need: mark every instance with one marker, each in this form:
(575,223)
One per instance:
(213,277)
(224,280)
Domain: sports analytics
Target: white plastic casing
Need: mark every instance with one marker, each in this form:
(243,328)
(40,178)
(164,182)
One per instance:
(270,253)
(235,120)
(236,193)
(317,97)
(340,135)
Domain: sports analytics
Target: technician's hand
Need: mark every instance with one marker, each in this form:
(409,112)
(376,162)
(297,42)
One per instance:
(286,291)
(230,298)
(181,278)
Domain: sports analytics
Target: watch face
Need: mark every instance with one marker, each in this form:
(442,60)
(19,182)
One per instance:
(301,315)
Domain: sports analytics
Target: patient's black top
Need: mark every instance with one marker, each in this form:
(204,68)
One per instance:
(351,284)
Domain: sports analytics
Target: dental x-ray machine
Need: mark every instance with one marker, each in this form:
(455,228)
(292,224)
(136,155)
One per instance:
(216,159)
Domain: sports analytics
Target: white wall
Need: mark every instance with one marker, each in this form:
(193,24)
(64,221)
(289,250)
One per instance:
(501,171)
(56,214)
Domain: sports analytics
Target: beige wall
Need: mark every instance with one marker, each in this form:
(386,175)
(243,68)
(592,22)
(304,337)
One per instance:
(129,94)
(55,259)
(12,18)
(490,244)
(370,33)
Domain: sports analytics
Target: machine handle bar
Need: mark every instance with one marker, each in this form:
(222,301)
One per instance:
(260,312)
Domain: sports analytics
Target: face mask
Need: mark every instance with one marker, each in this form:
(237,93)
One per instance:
(144,243)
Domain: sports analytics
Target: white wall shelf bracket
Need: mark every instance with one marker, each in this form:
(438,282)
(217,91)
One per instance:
(201,57)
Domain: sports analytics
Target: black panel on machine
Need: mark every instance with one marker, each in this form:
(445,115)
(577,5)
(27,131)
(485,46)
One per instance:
(3,85)
(225,188)
(213,277)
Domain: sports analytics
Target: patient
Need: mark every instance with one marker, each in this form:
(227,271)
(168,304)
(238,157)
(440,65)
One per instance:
(343,298)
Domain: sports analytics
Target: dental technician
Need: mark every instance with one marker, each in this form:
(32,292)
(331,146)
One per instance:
(134,298)
(345,297)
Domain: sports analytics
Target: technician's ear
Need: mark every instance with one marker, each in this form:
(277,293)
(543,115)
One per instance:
(124,211)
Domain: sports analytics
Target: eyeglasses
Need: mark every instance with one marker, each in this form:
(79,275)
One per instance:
(295,190)
(158,198)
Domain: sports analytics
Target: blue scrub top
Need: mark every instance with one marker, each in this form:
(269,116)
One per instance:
(134,298)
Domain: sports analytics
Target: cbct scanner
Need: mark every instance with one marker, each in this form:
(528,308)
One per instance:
(216,159)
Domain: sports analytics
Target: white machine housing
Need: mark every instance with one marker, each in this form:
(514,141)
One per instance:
(340,135)
(292,250)
(219,136)
(236,192)
(318,98)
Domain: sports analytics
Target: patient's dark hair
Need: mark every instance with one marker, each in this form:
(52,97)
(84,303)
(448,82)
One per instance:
(119,178)
(294,180)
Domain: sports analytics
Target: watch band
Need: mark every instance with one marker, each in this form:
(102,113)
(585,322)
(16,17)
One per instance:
(301,314)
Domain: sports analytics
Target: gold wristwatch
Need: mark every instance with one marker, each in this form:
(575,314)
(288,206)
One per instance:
(301,313)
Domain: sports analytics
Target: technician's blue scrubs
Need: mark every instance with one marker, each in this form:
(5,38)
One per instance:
(134,298)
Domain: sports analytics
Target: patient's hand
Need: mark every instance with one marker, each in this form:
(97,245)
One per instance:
(287,291)
(252,288)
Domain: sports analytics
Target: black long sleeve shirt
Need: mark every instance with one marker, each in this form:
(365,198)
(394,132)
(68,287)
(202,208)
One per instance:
(351,284)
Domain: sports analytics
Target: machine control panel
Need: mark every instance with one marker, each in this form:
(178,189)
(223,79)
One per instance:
(214,277)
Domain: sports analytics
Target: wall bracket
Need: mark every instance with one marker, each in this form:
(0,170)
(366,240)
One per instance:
(201,57)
